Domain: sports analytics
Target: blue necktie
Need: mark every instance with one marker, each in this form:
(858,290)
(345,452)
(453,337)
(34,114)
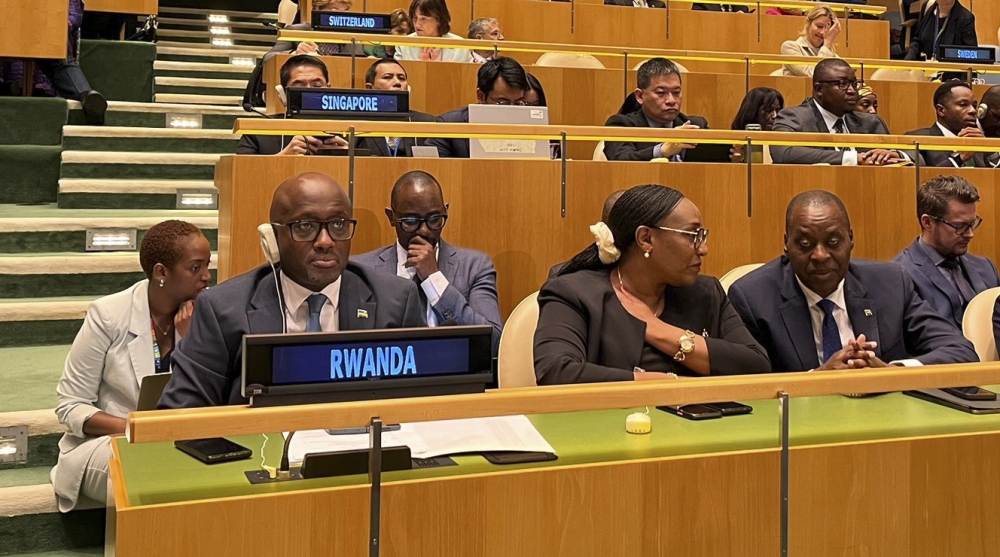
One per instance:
(315,302)
(831,333)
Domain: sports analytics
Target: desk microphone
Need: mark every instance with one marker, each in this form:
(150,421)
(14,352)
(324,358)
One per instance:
(251,108)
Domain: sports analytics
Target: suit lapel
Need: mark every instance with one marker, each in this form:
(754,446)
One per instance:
(933,274)
(357,306)
(447,261)
(140,346)
(862,311)
(378,146)
(264,315)
(978,284)
(820,122)
(795,316)
(388,260)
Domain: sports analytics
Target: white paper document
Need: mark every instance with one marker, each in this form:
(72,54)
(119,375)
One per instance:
(430,439)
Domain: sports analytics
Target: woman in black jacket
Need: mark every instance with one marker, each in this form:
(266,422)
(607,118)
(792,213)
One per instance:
(947,22)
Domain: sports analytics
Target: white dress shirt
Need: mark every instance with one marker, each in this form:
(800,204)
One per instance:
(297,309)
(433,287)
(850,154)
(947,133)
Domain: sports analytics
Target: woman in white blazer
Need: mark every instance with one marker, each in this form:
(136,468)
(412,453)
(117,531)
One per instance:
(430,18)
(125,337)
(817,39)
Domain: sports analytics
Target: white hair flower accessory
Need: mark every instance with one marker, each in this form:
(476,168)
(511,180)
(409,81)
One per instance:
(605,242)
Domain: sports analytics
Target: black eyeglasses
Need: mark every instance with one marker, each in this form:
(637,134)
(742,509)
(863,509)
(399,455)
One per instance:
(700,235)
(505,102)
(843,84)
(962,228)
(412,224)
(308,230)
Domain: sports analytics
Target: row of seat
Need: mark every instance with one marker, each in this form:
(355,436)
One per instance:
(516,355)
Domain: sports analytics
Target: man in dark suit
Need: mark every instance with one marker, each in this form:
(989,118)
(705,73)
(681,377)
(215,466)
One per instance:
(500,81)
(720,7)
(813,308)
(831,110)
(943,271)
(636,3)
(956,107)
(312,288)
(659,97)
(388,74)
(456,284)
(947,22)
(297,71)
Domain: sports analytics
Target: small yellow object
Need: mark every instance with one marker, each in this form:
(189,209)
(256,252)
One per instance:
(638,423)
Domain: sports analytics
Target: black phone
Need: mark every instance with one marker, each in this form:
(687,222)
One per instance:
(693,411)
(214,450)
(731,408)
(517,457)
(971,393)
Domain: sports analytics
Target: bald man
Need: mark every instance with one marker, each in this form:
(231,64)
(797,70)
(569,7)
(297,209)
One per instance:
(456,284)
(313,285)
(608,204)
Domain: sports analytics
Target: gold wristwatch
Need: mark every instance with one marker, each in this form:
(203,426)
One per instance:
(686,344)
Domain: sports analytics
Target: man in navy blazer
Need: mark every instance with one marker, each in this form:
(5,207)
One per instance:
(943,271)
(319,290)
(455,284)
(813,308)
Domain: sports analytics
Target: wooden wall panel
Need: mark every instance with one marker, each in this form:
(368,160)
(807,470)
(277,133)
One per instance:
(34,30)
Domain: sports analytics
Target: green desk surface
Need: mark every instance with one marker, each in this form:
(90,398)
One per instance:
(158,473)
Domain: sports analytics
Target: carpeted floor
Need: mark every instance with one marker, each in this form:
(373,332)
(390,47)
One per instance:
(30,375)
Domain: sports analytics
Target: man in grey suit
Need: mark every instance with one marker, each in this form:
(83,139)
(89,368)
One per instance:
(658,93)
(943,271)
(814,308)
(956,107)
(455,284)
(311,288)
(831,110)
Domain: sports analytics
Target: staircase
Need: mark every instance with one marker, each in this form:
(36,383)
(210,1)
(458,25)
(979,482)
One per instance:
(125,175)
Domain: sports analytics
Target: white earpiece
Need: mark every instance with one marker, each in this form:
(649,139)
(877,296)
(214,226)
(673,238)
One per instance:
(269,244)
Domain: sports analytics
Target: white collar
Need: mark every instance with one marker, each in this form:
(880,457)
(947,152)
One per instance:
(812,298)
(479,59)
(295,294)
(944,130)
(830,118)
(402,255)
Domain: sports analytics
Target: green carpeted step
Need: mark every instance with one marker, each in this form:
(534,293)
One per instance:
(202,14)
(32,120)
(33,475)
(47,228)
(166,140)
(207,47)
(87,552)
(30,374)
(42,425)
(134,194)
(205,38)
(222,100)
(164,68)
(241,27)
(39,322)
(30,173)
(134,166)
(69,274)
(52,531)
(120,70)
(196,86)
(154,115)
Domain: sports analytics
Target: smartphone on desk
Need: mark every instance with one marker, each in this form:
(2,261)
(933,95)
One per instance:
(214,450)
(731,408)
(971,393)
(693,411)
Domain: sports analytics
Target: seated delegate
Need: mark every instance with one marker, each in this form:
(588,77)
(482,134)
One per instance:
(635,306)
(658,94)
(818,38)
(312,288)
(125,337)
(431,18)
(388,74)
(945,22)
(956,107)
(760,107)
(815,308)
(309,47)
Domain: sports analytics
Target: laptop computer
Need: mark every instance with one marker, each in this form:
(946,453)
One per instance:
(508,148)
(150,390)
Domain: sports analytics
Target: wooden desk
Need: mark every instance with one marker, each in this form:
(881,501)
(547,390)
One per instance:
(138,7)
(34,29)
(524,232)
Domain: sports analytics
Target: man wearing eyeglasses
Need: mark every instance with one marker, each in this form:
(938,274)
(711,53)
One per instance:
(816,308)
(943,271)
(500,81)
(956,107)
(455,284)
(831,109)
(308,286)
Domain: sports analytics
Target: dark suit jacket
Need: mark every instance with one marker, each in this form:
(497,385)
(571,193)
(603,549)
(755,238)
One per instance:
(651,3)
(807,118)
(471,296)
(943,158)
(262,144)
(288,47)
(452,147)
(881,303)
(585,335)
(718,7)
(937,290)
(627,151)
(379,148)
(960,30)
(208,362)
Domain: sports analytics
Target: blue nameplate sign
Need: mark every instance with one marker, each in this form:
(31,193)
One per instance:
(346,104)
(351,22)
(967,54)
